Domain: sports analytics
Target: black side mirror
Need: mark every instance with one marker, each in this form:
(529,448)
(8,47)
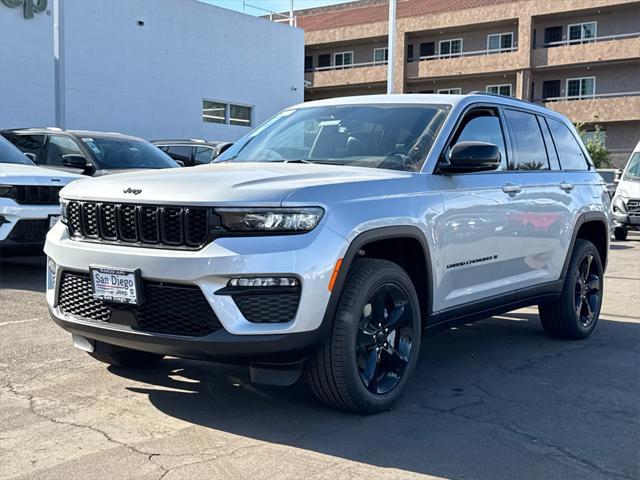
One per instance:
(467,157)
(179,162)
(73,160)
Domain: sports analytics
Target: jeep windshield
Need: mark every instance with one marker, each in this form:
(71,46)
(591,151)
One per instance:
(113,153)
(632,172)
(10,154)
(396,137)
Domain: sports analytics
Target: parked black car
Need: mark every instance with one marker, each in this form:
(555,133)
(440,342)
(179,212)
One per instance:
(193,151)
(87,153)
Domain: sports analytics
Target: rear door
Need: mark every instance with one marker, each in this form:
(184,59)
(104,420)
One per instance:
(481,227)
(552,199)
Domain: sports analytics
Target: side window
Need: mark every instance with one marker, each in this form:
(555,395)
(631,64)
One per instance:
(528,146)
(28,144)
(569,151)
(180,152)
(58,147)
(483,126)
(203,155)
(548,141)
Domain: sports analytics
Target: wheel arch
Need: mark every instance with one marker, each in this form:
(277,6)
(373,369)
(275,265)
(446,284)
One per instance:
(379,243)
(590,226)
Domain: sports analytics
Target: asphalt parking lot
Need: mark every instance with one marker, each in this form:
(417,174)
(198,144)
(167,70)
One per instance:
(493,400)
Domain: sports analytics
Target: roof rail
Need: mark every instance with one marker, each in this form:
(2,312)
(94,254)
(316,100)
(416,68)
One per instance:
(480,92)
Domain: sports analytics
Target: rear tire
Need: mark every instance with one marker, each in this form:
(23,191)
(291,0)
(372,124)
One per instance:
(620,233)
(575,314)
(124,357)
(373,348)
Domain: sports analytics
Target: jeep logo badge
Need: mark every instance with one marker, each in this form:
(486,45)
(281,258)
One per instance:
(134,191)
(30,6)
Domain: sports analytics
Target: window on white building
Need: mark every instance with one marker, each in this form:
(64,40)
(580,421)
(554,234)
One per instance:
(227,113)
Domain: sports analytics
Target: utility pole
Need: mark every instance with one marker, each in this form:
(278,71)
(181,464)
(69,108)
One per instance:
(291,22)
(59,64)
(391,64)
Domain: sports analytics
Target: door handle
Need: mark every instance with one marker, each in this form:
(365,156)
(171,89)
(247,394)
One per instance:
(566,186)
(511,189)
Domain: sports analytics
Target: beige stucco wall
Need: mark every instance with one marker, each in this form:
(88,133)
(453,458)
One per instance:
(347,76)
(596,110)
(587,53)
(480,64)
(467,84)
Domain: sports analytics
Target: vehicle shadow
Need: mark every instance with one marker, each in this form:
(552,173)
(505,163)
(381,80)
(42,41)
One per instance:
(486,400)
(23,273)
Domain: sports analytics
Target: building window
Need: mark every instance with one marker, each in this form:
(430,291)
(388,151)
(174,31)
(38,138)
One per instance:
(226,113)
(343,58)
(380,55)
(581,32)
(214,112)
(240,115)
(581,87)
(498,42)
(550,89)
(450,48)
(308,63)
(324,60)
(410,53)
(427,49)
(450,91)
(504,89)
(552,35)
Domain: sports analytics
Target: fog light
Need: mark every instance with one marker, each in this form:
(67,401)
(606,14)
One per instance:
(52,267)
(263,282)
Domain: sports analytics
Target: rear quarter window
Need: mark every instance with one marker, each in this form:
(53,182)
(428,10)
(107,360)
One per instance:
(569,151)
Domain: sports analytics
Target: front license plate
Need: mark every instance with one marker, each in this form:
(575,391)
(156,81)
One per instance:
(53,219)
(120,286)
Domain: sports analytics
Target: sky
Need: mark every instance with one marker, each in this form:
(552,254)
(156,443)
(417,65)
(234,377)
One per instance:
(272,5)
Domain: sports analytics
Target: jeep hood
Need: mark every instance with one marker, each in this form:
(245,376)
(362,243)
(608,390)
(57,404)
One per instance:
(220,184)
(16,174)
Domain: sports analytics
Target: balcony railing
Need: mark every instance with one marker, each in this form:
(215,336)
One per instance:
(588,97)
(603,38)
(473,53)
(348,66)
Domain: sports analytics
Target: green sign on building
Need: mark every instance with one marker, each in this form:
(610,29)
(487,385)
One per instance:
(31,7)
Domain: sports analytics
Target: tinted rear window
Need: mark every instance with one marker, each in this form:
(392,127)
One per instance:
(571,156)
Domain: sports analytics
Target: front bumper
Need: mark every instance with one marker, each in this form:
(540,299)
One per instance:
(310,258)
(624,215)
(23,227)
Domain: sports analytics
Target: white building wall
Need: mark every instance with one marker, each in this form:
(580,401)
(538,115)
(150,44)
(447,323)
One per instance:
(26,68)
(150,80)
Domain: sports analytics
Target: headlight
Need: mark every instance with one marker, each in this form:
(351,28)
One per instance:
(286,220)
(5,190)
(63,210)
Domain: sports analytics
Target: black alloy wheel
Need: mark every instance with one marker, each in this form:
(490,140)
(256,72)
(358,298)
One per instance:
(383,341)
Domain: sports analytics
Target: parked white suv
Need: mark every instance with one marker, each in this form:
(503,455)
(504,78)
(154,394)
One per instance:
(29,203)
(626,202)
(331,236)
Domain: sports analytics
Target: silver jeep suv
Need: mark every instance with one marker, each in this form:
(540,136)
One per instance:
(329,239)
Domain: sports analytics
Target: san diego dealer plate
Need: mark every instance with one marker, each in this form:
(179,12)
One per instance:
(120,286)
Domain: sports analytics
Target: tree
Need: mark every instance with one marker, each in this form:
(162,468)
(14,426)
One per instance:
(595,145)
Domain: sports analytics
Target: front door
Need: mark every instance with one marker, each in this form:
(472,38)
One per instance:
(480,230)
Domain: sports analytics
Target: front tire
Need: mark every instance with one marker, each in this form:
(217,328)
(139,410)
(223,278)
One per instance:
(373,348)
(620,233)
(575,315)
(124,357)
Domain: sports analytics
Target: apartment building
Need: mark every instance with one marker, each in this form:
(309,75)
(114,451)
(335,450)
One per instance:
(578,57)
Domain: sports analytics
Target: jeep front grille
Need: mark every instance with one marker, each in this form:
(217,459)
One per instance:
(168,309)
(35,194)
(142,225)
(633,206)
